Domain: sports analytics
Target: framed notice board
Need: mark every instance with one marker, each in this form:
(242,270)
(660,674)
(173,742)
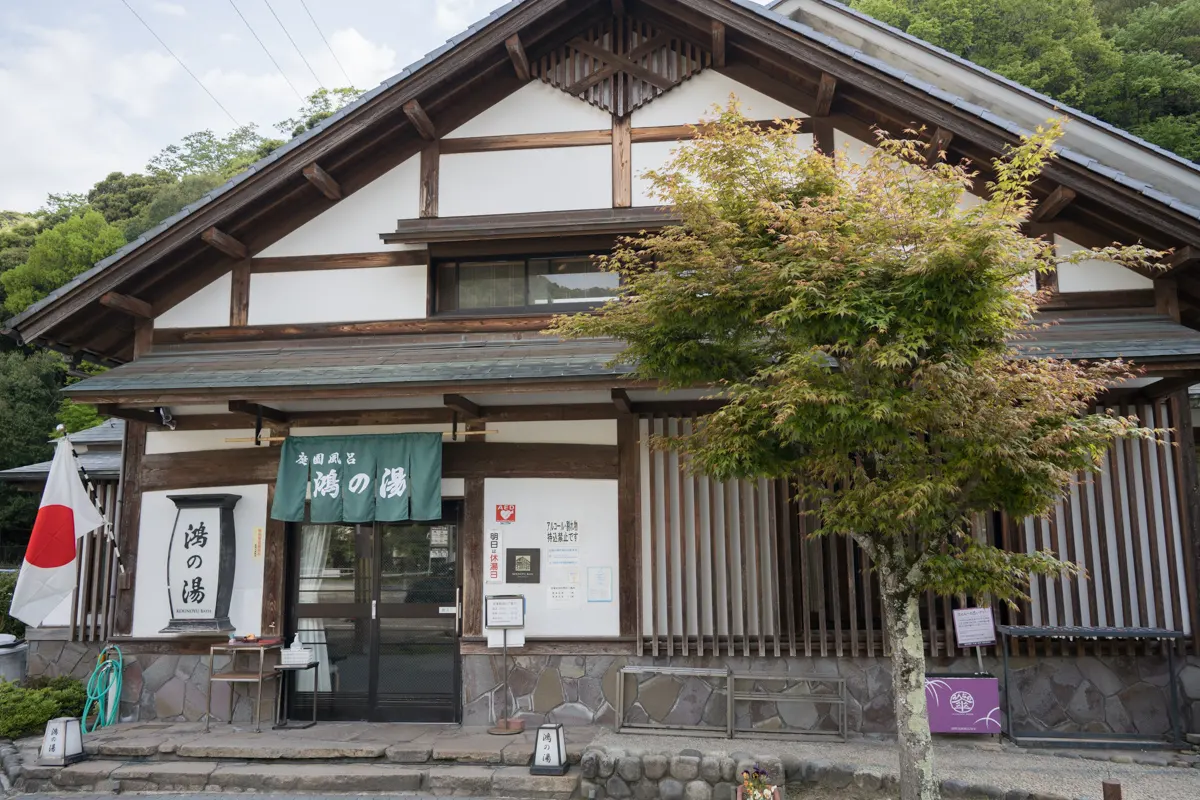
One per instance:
(504,611)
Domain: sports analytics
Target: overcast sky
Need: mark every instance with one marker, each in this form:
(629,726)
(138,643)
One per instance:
(87,90)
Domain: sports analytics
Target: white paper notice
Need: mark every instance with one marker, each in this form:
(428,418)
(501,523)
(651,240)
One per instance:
(599,585)
(516,637)
(562,556)
(973,627)
(494,570)
(563,596)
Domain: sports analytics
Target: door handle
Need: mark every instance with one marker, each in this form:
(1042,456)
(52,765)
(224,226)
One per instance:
(374,610)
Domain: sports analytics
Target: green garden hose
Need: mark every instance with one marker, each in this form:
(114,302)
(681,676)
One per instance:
(104,690)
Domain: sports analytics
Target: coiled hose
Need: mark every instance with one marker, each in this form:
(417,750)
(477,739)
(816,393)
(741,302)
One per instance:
(104,690)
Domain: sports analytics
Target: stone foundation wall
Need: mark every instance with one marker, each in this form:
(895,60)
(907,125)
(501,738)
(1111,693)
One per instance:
(169,688)
(1101,695)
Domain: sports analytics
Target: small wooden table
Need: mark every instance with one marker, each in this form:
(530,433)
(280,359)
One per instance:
(233,675)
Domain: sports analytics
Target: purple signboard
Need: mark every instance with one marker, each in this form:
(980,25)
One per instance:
(963,705)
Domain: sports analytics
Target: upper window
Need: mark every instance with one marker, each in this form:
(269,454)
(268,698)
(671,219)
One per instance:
(512,284)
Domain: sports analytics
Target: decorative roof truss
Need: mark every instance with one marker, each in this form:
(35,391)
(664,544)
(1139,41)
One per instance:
(621,64)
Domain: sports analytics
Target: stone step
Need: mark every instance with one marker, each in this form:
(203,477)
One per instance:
(447,779)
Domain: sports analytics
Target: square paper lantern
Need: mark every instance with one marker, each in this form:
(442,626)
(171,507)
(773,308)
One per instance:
(550,752)
(62,744)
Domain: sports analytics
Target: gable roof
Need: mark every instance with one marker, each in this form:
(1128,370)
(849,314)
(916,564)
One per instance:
(371,134)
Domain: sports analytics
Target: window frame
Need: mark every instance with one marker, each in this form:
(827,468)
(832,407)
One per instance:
(527,310)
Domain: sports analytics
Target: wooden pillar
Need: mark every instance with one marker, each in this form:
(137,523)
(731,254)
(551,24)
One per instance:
(129,516)
(471,543)
(629,544)
(622,162)
(1186,480)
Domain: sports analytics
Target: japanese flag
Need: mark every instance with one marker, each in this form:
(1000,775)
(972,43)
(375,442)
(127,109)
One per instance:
(66,513)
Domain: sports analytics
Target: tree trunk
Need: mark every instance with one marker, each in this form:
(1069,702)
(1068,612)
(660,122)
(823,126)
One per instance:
(903,620)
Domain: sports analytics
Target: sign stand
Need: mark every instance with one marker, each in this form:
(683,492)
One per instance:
(505,612)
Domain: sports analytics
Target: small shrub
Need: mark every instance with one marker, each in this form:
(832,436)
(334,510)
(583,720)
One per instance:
(25,709)
(9,624)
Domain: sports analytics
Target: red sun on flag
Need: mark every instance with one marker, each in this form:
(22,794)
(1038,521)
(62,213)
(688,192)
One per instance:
(506,514)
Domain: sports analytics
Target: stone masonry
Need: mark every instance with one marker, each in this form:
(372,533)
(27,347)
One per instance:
(1111,694)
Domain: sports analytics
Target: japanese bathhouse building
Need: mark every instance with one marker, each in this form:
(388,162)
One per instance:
(349,334)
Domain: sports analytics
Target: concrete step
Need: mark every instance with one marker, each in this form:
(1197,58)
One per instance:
(439,779)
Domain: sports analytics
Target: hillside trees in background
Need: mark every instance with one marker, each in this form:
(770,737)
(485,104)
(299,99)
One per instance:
(1132,63)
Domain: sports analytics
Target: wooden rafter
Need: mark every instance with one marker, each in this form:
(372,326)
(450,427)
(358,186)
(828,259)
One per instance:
(621,400)
(938,144)
(322,180)
(622,63)
(255,409)
(420,120)
(130,414)
(718,43)
(130,305)
(1053,205)
(1165,387)
(223,242)
(1182,260)
(826,89)
(462,406)
(516,51)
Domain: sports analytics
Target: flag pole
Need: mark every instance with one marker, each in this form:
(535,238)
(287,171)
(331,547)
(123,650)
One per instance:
(93,492)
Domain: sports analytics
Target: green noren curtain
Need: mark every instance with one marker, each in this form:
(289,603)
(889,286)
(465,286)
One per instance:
(358,479)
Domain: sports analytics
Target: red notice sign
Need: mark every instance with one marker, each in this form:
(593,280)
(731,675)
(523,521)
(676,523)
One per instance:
(506,514)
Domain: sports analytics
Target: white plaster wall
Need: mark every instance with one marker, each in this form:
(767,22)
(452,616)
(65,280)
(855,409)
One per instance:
(654,155)
(536,108)
(1094,276)
(341,295)
(353,225)
(163,442)
(151,609)
(207,308)
(693,101)
(856,150)
(519,181)
(598,431)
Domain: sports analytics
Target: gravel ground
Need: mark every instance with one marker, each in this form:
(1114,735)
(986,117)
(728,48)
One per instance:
(1068,777)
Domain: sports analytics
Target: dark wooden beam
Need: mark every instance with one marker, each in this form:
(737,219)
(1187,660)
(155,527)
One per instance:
(718,43)
(420,120)
(324,330)
(395,258)
(463,406)
(253,410)
(516,51)
(1117,299)
(431,161)
(1166,297)
(1053,205)
(239,295)
(525,141)
(621,63)
(1165,387)
(938,145)
(129,414)
(1182,260)
(224,243)
(679,133)
(130,305)
(323,181)
(825,92)
(618,8)
(620,399)
(539,223)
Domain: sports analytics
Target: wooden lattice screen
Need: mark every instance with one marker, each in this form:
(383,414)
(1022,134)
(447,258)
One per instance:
(621,64)
(729,568)
(94,608)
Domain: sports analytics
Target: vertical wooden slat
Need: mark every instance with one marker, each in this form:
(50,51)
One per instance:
(784,543)
(852,595)
(1088,586)
(1189,502)
(774,520)
(1132,492)
(78,621)
(727,502)
(686,607)
(95,590)
(713,569)
(697,537)
(1148,494)
(1172,586)
(744,561)
(763,595)
(670,489)
(130,515)
(655,535)
(835,584)
(1123,598)
(1106,598)
(805,573)
(868,579)
(822,598)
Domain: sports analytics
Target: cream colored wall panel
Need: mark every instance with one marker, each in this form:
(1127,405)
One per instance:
(536,108)
(599,431)
(164,442)
(693,101)
(207,308)
(654,155)
(353,224)
(340,295)
(858,151)
(1095,276)
(516,181)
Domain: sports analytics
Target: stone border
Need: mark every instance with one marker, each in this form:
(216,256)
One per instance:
(610,772)
(10,765)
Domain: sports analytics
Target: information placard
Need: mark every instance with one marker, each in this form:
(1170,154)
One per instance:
(504,611)
(973,627)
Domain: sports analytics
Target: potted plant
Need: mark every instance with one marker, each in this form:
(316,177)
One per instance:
(754,786)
